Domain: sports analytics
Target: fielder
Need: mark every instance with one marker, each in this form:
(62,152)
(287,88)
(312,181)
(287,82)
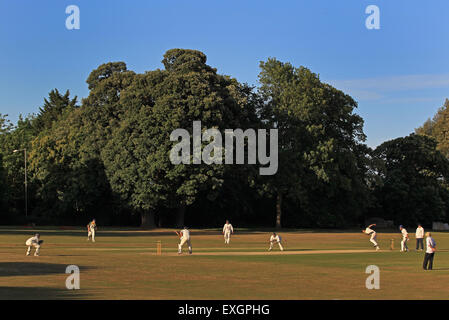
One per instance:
(91,228)
(275,238)
(405,238)
(227,230)
(419,238)
(34,242)
(184,235)
(373,234)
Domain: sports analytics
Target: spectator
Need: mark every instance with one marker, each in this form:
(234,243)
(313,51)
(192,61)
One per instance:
(430,252)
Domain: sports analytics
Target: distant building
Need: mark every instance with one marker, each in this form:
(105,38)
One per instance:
(440,226)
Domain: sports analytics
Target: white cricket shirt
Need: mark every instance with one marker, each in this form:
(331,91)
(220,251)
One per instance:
(185,234)
(404,233)
(430,244)
(419,233)
(228,228)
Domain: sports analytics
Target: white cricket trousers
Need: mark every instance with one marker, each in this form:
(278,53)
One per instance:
(272,243)
(227,237)
(183,241)
(91,233)
(373,239)
(404,246)
(35,245)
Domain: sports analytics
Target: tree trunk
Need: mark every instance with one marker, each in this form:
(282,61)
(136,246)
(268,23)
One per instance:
(147,219)
(179,220)
(278,210)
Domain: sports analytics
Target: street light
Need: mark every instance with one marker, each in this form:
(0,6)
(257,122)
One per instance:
(26,182)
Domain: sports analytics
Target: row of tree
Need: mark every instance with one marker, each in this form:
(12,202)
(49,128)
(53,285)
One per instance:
(108,157)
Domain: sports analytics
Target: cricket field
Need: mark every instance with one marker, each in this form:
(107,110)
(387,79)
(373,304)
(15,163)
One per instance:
(123,264)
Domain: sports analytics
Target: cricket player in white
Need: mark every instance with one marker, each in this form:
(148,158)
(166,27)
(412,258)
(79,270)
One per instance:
(34,242)
(184,235)
(404,239)
(227,230)
(273,239)
(419,238)
(373,234)
(91,228)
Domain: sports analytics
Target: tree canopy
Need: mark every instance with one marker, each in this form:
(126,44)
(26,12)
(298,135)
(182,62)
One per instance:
(415,177)
(438,128)
(320,143)
(109,156)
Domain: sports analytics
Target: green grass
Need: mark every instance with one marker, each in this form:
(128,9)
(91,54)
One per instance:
(122,265)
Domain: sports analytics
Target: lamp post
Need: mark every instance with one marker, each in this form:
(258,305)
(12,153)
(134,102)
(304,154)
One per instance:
(26,180)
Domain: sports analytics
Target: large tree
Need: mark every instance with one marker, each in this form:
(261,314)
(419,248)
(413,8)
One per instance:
(3,185)
(157,103)
(66,155)
(17,137)
(414,180)
(321,158)
(53,108)
(438,128)
(71,182)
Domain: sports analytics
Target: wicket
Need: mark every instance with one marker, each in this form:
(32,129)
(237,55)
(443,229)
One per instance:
(159,247)
(392,244)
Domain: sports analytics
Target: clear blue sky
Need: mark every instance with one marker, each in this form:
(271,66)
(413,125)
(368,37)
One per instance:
(398,74)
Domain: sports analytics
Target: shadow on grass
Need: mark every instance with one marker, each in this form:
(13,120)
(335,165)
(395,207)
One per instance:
(39,293)
(10,269)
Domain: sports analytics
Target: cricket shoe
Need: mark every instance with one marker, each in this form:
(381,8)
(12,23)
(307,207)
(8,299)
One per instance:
(377,248)
(28,253)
